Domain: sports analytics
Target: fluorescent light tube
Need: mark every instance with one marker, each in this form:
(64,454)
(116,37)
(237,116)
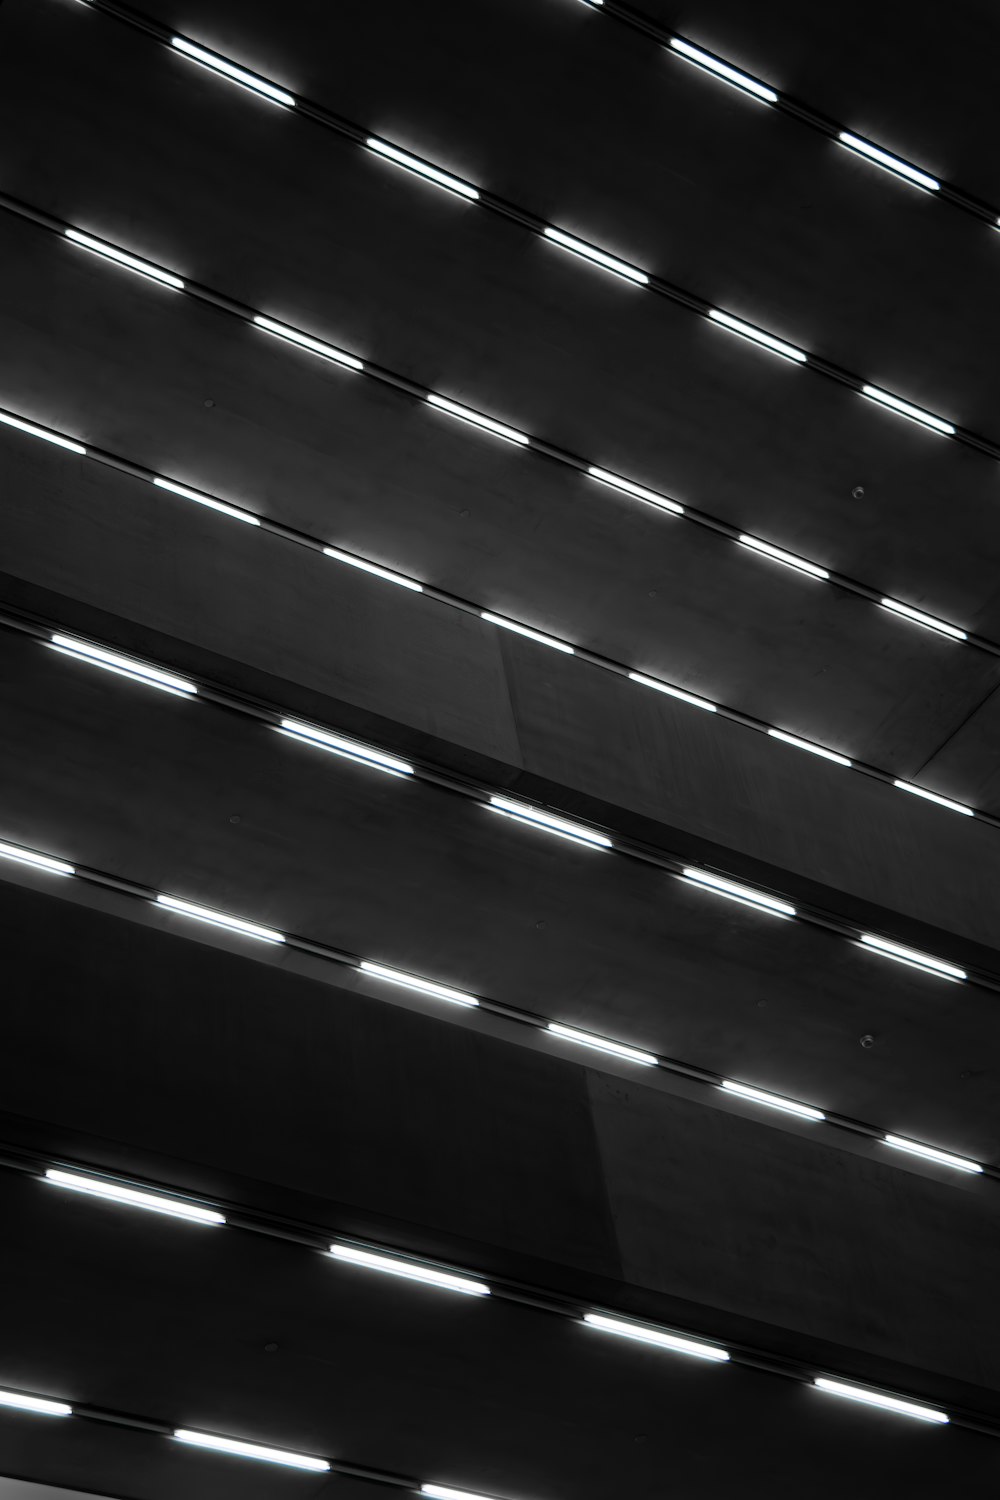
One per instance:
(943,1158)
(466,414)
(788,558)
(40,432)
(628,488)
(131,262)
(306,341)
(658,1336)
(791,739)
(116,1192)
(913,957)
(532,635)
(231,71)
(444,1491)
(919,791)
(876,1398)
(597,257)
(616,1049)
(941,626)
(915,413)
(412,982)
(422,169)
(219,919)
(251,1450)
(539,819)
(773,1101)
(743,893)
(757,336)
(122,666)
(890,163)
(379,572)
(38,861)
(411,1270)
(723,70)
(209,500)
(39,1404)
(365,755)
(663,687)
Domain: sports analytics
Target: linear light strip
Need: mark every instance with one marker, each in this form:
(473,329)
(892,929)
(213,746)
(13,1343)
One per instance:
(422,168)
(213,504)
(38,861)
(601,1044)
(123,258)
(880,1399)
(723,70)
(339,744)
(773,1101)
(551,822)
(413,982)
(219,919)
(757,336)
(132,1197)
(40,1405)
(600,258)
(122,666)
(913,957)
(888,162)
(906,409)
(931,1153)
(644,1334)
(374,568)
(409,1270)
(241,1449)
(222,65)
(733,891)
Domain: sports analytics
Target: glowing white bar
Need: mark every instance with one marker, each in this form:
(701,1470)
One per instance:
(220,919)
(379,572)
(773,1101)
(616,1049)
(757,336)
(123,666)
(662,687)
(444,1491)
(38,861)
(919,791)
(39,432)
(548,821)
(533,635)
(743,893)
(628,488)
(723,70)
(941,626)
(658,1336)
(131,262)
(890,163)
(412,982)
(305,341)
(876,1398)
(230,70)
(132,1197)
(351,749)
(788,558)
(913,957)
(422,169)
(915,413)
(411,1270)
(39,1404)
(943,1158)
(251,1450)
(791,739)
(213,504)
(466,414)
(597,257)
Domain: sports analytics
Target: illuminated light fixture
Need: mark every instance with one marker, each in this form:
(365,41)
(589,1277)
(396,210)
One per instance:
(539,819)
(616,1049)
(890,163)
(658,1336)
(915,413)
(943,1158)
(876,1398)
(919,791)
(38,1404)
(122,258)
(122,666)
(532,635)
(773,1101)
(913,957)
(231,71)
(365,755)
(38,861)
(116,1192)
(787,558)
(251,1450)
(723,70)
(742,893)
(919,618)
(305,341)
(444,1491)
(628,488)
(412,982)
(476,419)
(411,1270)
(663,687)
(369,567)
(40,432)
(597,257)
(791,739)
(757,336)
(219,919)
(422,168)
(209,500)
